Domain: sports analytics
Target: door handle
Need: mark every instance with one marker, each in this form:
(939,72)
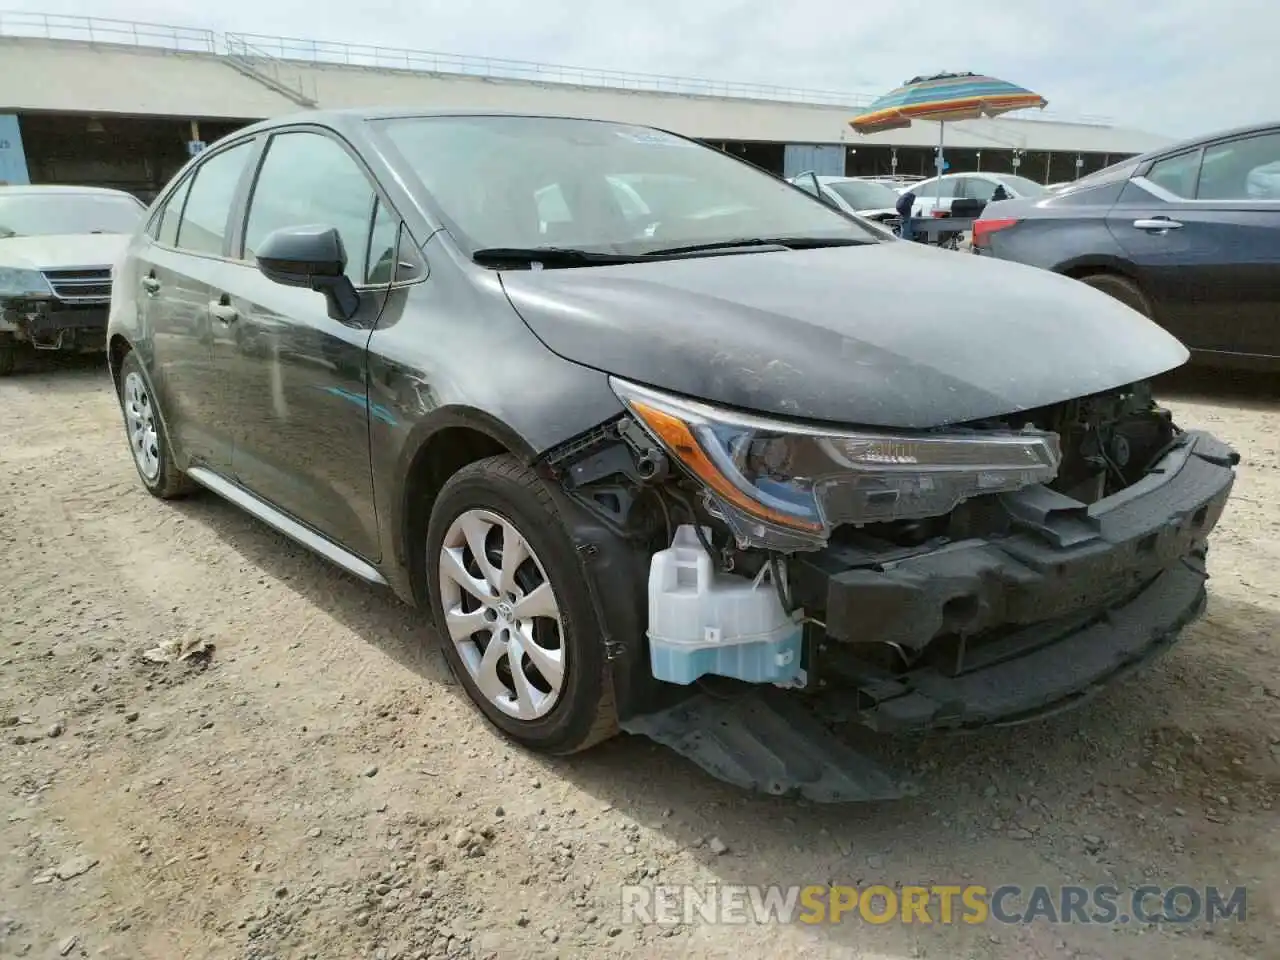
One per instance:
(151,285)
(224,313)
(1157,223)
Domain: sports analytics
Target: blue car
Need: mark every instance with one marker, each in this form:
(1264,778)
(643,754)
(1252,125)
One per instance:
(1188,236)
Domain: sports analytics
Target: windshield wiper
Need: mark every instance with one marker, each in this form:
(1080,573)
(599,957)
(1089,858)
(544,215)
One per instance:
(786,243)
(550,256)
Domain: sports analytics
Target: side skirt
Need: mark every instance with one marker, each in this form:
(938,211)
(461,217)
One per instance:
(298,532)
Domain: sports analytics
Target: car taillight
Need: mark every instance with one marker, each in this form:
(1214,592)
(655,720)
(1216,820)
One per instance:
(983,229)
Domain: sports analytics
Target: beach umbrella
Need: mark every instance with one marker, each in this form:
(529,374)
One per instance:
(944,97)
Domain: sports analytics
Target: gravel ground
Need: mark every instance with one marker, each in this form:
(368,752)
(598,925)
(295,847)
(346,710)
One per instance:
(315,785)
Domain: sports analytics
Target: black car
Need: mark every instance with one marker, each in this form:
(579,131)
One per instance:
(1188,235)
(692,475)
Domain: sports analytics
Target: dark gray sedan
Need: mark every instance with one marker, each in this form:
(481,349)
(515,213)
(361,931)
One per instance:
(1188,235)
(660,442)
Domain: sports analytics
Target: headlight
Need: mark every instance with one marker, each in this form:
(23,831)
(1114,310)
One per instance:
(789,484)
(16,282)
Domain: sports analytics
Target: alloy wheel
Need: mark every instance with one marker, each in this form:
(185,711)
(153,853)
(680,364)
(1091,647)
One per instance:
(502,614)
(140,418)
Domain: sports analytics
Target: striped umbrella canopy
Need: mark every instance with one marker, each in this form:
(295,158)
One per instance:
(944,97)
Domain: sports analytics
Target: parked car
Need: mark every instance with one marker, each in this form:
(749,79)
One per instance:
(57,245)
(1188,235)
(969,186)
(680,479)
(864,198)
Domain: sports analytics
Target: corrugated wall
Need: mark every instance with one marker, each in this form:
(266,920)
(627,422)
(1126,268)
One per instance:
(825,161)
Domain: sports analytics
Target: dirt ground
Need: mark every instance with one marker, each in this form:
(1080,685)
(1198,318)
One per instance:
(316,786)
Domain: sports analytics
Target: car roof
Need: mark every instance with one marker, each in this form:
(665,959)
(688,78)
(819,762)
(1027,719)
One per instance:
(831,179)
(980,174)
(47,189)
(1203,139)
(350,117)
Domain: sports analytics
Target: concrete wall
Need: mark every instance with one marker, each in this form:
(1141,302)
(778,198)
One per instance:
(69,76)
(72,77)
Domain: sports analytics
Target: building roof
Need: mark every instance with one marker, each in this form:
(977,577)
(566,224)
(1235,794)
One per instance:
(183,72)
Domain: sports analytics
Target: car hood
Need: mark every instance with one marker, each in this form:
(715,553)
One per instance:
(65,251)
(892,334)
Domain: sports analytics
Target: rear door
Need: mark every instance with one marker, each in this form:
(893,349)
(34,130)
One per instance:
(1239,192)
(1200,228)
(178,268)
(297,376)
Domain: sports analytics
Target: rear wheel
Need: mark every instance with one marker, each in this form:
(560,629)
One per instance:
(8,354)
(145,432)
(1122,289)
(516,623)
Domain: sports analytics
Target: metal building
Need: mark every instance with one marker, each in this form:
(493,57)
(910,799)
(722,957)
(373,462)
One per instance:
(117,103)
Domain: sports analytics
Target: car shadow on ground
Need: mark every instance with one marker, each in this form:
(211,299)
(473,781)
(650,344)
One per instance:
(37,363)
(374,613)
(1246,389)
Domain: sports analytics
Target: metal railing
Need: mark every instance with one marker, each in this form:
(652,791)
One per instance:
(51,26)
(429,61)
(266,52)
(270,70)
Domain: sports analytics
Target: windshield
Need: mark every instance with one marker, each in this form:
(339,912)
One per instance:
(525,182)
(1022,186)
(864,195)
(60,214)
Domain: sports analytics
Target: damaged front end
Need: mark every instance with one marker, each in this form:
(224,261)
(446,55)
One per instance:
(979,574)
(56,310)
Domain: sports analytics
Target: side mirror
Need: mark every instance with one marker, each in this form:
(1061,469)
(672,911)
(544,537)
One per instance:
(311,257)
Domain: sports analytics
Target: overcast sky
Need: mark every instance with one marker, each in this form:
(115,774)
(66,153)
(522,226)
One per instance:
(1177,67)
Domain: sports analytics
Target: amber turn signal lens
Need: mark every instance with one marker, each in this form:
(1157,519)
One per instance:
(679,439)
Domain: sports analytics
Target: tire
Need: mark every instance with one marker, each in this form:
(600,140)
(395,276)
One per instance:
(1122,289)
(8,355)
(144,425)
(501,504)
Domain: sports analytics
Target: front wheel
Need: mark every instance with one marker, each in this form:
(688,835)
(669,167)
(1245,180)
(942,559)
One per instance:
(515,621)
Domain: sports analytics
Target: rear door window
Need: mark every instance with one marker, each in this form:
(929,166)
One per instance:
(1244,169)
(166,229)
(927,191)
(976,188)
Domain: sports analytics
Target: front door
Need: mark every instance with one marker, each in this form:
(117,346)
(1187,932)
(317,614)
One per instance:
(298,376)
(178,270)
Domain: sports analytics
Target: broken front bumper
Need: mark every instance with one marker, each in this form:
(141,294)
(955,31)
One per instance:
(52,324)
(1042,618)
(1005,630)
